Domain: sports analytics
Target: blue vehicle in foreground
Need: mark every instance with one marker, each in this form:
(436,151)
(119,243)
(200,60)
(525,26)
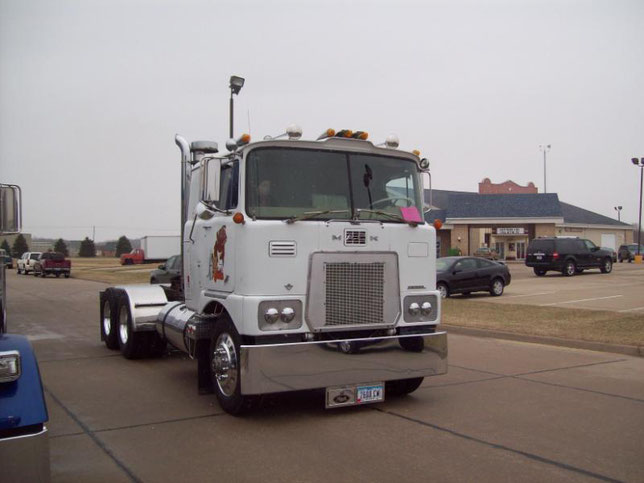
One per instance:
(24,443)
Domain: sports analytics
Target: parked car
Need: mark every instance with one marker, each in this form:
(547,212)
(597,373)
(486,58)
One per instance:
(470,274)
(612,252)
(485,252)
(628,252)
(6,259)
(566,255)
(52,263)
(167,271)
(25,263)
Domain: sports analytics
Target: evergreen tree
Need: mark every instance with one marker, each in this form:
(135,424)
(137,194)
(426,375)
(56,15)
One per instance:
(61,247)
(5,246)
(19,246)
(87,248)
(123,246)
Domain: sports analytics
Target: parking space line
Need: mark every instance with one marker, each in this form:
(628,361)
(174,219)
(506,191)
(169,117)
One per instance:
(581,300)
(632,310)
(530,294)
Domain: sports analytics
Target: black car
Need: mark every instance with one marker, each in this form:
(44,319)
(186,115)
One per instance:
(470,274)
(166,272)
(628,252)
(566,255)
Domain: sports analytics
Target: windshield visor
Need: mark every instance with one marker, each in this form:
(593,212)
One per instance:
(286,183)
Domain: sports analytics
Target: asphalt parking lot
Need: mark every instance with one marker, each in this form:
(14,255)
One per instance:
(506,410)
(622,290)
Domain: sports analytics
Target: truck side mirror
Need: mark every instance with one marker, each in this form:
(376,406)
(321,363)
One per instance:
(10,209)
(210,174)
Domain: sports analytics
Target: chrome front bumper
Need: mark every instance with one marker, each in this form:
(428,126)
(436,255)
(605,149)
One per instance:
(25,458)
(310,365)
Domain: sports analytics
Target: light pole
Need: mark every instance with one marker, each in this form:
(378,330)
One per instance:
(545,148)
(618,209)
(236,83)
(639,162)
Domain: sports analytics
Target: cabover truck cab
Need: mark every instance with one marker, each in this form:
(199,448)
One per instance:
(306,265)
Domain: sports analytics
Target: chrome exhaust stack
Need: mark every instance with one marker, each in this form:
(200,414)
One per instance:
(185,159)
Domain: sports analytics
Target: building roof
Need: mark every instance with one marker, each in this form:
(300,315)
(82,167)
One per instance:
(455,205)
(474,205)
(574,214)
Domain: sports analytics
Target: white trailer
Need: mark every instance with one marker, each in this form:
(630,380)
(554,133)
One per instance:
(160,247)
(306,265)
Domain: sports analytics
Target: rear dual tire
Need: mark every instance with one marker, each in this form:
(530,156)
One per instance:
(117,329)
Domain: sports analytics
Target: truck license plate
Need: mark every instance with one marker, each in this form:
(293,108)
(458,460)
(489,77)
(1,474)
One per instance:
(539,257)
(355,394)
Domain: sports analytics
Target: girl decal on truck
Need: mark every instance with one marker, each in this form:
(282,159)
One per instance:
(217,258)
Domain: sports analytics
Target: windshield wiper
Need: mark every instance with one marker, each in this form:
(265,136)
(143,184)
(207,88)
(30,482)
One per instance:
(383,213)
(307,215)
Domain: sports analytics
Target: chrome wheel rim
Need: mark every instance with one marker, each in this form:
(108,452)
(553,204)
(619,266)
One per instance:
(224,364)
(123,333)
(497,287)
(443,291)
(107,320)
(607,266)
(570,269)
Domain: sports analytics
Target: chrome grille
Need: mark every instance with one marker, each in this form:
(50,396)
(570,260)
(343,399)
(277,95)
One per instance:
(352,290)
(355,237)
(354,293)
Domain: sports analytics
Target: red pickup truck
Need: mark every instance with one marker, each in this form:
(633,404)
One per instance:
(52,263)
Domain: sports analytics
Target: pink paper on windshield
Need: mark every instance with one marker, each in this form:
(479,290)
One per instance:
(410,214)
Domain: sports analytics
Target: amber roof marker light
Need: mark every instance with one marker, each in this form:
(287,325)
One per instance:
(329,133)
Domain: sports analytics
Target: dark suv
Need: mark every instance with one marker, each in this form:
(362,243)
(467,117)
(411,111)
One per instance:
(628,252)
(566,255)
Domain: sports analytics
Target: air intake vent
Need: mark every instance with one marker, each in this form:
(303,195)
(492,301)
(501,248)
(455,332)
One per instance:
(282,249)
(355,237)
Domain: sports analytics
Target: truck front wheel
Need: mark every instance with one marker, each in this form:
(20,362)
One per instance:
(402,387)
(225,368)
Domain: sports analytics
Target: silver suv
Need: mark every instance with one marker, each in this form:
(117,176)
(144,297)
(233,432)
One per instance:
(25,263)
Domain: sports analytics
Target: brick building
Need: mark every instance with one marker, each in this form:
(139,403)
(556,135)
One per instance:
(507,220)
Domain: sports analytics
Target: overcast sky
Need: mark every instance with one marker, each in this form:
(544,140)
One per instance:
(92,93)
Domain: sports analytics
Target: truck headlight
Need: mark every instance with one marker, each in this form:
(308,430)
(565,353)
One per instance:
(280,315)
(426,308)
(287,315)
(271,315)
(9,366)
(414,309)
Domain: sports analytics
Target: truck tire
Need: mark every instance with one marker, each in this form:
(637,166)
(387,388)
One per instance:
(225,368)
(402,387)
(108,321)
(133,344)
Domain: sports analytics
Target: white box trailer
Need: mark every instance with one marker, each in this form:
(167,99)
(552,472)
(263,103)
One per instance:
(160,247)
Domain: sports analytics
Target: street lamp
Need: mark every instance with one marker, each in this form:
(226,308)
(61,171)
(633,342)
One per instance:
(236,83)
(545,148)
(618,209)
(639,163)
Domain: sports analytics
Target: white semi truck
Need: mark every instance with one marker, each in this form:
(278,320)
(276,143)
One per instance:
(306,265)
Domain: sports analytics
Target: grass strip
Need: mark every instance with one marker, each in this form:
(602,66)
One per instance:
(588,325)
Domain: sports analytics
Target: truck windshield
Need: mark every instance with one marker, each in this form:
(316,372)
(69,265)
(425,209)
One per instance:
(289,183)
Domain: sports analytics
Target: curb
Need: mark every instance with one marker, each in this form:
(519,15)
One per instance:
(631,350)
